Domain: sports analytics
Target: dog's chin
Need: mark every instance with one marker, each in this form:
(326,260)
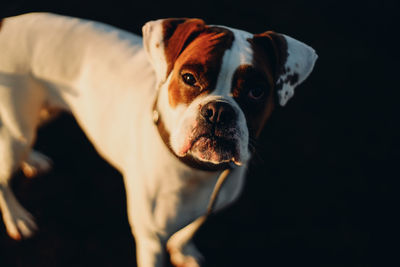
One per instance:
(215,150)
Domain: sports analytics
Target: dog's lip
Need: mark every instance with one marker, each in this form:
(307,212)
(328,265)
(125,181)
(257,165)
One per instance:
(190,142)
(235,159)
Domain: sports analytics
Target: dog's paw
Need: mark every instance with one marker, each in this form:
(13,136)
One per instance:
(36,164)
(19,222)
(189,256)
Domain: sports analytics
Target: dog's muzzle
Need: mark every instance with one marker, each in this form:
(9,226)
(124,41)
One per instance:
(215,137)
(212,139)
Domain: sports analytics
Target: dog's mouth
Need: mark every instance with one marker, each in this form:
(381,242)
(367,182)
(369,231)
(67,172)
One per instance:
(213,149)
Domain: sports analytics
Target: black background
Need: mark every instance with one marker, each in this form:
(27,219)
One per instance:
(320,191)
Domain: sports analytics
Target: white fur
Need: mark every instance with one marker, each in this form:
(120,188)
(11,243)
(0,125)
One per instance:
(301,60)
(154,46)
(239,54)
(103,77)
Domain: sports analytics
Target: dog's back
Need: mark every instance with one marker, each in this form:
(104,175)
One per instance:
(58,48)
(72,61)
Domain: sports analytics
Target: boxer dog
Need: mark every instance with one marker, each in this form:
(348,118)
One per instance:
(170,111)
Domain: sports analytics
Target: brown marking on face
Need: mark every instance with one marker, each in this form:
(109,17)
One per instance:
(1,23)
(256,111)
(270,52)
(177,34)
(269,58)
(202,58)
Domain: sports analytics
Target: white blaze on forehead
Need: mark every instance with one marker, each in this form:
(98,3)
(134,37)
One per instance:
(239,54)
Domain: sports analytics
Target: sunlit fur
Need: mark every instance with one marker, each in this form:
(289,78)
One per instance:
(108,80)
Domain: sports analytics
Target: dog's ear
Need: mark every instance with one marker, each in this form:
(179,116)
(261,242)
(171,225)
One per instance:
(291,61)
(165,39)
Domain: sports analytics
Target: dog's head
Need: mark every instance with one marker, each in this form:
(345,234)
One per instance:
(218,86)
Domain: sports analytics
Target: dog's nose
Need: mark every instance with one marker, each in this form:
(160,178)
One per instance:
(218,112)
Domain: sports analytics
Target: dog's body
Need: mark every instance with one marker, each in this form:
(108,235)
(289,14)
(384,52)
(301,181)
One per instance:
(110,81)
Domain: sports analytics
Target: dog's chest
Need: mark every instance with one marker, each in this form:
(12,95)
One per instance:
(179,195)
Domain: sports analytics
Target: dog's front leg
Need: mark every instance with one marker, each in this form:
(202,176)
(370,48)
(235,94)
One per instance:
(150,250)
(150,243)
(152,246)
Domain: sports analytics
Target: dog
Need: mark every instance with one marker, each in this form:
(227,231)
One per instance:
(170,111)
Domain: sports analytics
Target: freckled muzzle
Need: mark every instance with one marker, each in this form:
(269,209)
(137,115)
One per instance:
(215,139)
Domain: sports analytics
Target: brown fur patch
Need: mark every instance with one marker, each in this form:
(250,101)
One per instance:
(257,112)
(270,51)
(178,33)
(274,45)
(202,57)
(1,23)
(269,58)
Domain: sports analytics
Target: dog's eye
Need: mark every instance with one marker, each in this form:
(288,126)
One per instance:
(256,93)
(189,79)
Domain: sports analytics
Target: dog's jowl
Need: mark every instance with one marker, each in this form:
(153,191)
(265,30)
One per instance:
(184,100)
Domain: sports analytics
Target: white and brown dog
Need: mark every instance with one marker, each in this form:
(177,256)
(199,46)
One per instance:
(170,112)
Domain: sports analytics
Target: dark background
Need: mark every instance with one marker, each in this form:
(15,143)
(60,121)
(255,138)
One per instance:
(320,191)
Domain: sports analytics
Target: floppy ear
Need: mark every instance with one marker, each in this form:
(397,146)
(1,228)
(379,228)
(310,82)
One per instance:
(292,61)
(165,39)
